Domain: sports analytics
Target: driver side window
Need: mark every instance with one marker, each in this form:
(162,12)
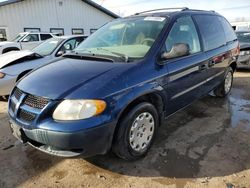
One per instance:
(69,45)
(31,38)
(183,31)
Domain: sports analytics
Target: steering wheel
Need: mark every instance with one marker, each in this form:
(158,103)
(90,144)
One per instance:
(147,41)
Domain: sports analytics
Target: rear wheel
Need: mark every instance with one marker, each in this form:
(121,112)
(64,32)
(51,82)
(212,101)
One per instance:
(225,87)
(4,98)
(136,132)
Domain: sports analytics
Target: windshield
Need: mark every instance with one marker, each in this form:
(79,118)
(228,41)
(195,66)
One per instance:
(127,38)
(243,37)
(18,37)
(47,47)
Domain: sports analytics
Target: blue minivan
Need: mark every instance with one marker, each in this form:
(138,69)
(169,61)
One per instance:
(118,86)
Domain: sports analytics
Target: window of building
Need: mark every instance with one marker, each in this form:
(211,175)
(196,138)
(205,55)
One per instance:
(45,36)
(59,31)
(30,29)
(184,31)
(77,31)
(3,36)
(92,30)
(211,31)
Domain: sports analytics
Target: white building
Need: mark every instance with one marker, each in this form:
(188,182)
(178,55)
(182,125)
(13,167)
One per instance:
(60,16)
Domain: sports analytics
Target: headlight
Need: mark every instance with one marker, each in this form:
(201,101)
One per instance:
(78,109)
(2,75)
(244,52)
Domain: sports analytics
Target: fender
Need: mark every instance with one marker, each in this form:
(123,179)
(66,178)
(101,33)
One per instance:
(125,98)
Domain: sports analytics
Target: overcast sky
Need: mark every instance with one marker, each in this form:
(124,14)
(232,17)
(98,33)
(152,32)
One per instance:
(231,9)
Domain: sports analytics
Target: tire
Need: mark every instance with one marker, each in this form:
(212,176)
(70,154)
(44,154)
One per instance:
(132,129)
(225,87)
(4,98)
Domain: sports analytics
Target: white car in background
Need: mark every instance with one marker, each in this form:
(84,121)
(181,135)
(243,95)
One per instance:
(25,41)
(14,65)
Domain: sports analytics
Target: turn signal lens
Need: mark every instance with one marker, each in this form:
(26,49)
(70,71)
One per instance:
(2,75)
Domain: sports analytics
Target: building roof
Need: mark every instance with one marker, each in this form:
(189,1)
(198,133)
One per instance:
(101,8)
(89,2)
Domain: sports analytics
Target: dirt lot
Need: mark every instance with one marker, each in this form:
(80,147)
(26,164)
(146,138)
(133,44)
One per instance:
(206,145)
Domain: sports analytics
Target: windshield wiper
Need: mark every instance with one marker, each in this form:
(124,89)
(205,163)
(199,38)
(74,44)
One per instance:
(124,56)
(77,55)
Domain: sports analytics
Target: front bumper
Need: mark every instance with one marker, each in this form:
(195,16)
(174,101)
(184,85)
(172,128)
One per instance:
(86,143)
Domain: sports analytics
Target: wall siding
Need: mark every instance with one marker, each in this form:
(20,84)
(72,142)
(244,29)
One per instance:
(46,14)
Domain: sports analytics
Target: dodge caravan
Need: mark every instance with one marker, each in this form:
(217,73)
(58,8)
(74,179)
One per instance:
(118,86)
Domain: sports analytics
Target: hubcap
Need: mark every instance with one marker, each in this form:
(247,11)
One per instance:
(141,132)
(228,82)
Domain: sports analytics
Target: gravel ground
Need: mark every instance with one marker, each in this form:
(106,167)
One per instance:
(205,145)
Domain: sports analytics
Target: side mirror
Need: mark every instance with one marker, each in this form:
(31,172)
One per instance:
(60,53)
(178,50)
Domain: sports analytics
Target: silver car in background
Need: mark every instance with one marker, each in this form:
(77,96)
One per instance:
(244,57)
(14,65)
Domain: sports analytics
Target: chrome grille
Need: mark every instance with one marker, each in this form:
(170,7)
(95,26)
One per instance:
(26,116)
(17,93)
(36,102)
(12,106)
(29,106)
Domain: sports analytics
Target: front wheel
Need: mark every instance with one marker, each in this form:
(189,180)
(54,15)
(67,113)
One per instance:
(136,132)
(225,87)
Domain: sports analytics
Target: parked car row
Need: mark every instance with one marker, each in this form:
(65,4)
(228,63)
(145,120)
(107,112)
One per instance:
(16,64)
(115,89)
(25,41)
(244,57)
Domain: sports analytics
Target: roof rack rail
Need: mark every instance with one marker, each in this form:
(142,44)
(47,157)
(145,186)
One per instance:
(155,10)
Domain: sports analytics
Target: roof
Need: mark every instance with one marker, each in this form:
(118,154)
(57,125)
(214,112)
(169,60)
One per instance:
(101,8)
(89,2)
(166,12)
(7,2)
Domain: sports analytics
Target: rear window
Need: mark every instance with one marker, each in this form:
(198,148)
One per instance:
(229,32)
(243,37)
(211,30)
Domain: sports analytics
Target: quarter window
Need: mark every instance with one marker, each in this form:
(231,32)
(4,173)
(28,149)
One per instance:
(211,31)
(229,32)
(184,31)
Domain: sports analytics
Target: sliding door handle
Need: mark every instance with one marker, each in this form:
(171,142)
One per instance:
(203,67)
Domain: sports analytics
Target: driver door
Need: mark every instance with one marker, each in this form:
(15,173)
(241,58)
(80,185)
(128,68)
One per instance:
(30,41)
(186,75)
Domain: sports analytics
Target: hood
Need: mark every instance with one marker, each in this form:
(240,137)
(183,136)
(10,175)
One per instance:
(6,43)
(12,57)
(244,46)
(59,79)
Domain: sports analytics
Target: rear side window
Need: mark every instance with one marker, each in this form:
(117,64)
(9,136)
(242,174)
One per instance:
(211,30)
(229,32)
(184,31)
(45,36)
